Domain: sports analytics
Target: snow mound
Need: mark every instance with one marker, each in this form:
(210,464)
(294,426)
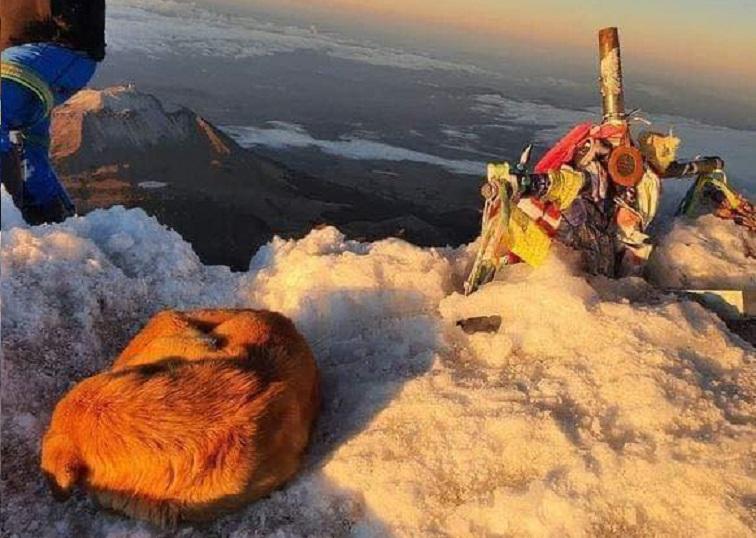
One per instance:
(613,413)
(80,287)
(596,409)
(706,253)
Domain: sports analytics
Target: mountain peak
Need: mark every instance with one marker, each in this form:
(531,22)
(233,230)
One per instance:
(102,127)
(115,99)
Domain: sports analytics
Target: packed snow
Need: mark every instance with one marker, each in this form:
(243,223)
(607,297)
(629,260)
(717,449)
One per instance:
(598,408)
(718,254)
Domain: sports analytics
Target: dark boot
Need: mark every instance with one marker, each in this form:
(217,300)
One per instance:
(57,211)
(12,175)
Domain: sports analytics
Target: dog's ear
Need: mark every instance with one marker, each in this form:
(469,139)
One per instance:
(61,466)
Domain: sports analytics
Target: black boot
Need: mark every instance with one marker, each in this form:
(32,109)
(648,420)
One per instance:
(56,211)
(11,173)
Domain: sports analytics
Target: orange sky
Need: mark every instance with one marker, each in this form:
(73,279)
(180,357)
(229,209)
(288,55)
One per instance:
(714,40)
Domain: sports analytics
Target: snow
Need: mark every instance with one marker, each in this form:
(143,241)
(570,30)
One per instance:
(151,185)
(121,116)
(10,216)
(598,408)
(719,255)
(116,100)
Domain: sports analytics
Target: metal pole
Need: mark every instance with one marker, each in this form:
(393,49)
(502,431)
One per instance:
(612,93)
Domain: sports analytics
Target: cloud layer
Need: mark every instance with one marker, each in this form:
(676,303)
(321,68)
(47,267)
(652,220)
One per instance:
(281,135)
(161,27)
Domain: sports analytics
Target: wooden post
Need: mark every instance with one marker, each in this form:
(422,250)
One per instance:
(612,93)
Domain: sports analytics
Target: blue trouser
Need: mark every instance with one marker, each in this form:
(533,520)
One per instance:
(65,72)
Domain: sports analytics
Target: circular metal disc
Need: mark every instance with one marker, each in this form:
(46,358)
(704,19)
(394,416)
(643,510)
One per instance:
(626,166)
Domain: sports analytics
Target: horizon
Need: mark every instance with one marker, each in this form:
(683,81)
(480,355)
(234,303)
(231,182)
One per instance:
(675,48)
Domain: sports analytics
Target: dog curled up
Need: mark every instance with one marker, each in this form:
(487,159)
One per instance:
(203,412)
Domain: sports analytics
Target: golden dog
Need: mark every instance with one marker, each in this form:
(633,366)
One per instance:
(202,413)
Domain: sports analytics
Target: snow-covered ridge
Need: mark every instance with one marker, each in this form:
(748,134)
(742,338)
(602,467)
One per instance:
(116,100)
(119,119)
(597,409)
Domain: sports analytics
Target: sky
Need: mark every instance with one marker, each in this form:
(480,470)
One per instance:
(706,42)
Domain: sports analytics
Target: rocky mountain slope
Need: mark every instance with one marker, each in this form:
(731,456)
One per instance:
(121,146)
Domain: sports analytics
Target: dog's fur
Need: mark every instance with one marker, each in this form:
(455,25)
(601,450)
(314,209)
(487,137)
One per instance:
(202,413)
